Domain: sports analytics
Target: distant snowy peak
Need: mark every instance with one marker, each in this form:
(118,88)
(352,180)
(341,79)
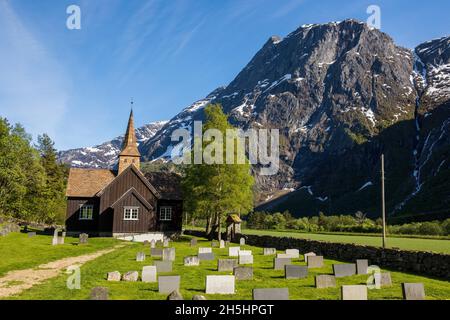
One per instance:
(105,155)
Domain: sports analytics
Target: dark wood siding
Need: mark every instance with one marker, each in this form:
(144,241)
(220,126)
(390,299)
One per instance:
(177,215)
(73,223)
(147,217)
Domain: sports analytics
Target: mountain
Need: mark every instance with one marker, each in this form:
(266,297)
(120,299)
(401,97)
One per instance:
(105,154)
(342,94)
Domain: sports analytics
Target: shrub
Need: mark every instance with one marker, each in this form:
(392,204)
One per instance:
(430,228)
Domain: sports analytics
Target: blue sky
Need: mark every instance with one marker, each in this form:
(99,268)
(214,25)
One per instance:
(76,85)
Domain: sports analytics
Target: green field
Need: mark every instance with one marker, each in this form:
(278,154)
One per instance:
(419,244)
(193,278)
(18,251)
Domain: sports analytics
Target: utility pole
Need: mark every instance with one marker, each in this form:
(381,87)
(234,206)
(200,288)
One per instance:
(383,206)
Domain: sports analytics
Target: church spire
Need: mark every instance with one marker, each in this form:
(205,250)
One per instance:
(130,153)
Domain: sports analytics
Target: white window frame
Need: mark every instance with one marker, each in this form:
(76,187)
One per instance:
(133,213)
(84,212)
(165,213)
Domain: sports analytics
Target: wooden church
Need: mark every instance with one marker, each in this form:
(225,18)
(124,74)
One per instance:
(124,202)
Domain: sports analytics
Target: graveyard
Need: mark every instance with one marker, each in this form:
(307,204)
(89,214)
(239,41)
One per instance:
(136,271)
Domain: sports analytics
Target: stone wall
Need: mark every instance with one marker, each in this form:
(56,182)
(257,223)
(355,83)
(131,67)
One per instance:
(423,263)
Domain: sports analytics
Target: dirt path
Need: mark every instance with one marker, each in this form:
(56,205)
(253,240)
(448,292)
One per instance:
(14,282)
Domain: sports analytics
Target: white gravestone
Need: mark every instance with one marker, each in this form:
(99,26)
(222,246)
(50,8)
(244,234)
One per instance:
(149,274)
(220,284)
(204,250)
(245,252)
(246,259)
(233,251)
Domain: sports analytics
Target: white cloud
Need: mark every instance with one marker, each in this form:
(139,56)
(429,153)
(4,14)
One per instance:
(33,89)
(287,8)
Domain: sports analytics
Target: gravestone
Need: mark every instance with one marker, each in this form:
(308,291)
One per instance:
(383,279)
(354,292)
(149,274)
(175,295)
(163,266)
(193,242)
(83,238)
(245,259)
(220,284)
(245,252)
(168,284)
(226,264)
(214,244)
(344,270)
(242,241)
(159,243)
(198,297)
(168,254)
(114,276)
(31,234)
(145,242)
(325,281)
(206,256)
(99,293)
(279,263)
(309,254)
(295,272)
(227,243)
(269,251)
(222,244)
(130,276)
(243,273)
(140,256)
(294,253)
(60,240)
(233,251)
(315,262)
(191,261)
(284,255)
(55,238)
(413,291)
(361,266)
(204,250)
(271,294)
(156,252)
(153,244)
(166,243)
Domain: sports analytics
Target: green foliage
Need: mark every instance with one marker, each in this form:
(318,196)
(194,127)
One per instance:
(32,184)
(216,189)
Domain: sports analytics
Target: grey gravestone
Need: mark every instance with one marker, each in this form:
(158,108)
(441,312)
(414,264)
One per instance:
(99,293)
(55,241)
(227,243)
(204,250)
(325,281)
(149,274)
(242,241)
(130,276)
(140,256)
(294,253)
(315,261)
(233,251)
(245,259)
(83,238)
(413,291)
(361,266)
(214,244)
(206,256)
(168,254)
(145,242)
(355,292)
(271,294)
(168,284)
(166,243)
(175,295)
(159,243)
(243,273)
(191,261)
(279,263)
(284,255)
(383,279)
(226,264)
(163,266)
(309,254)
(193,242)
(60,240)
(114,276)
(156,252)
(222,244)
(269,251)
(295,272)
(220,284)
(31,234)
(153,244)
(344,270)
(198,297)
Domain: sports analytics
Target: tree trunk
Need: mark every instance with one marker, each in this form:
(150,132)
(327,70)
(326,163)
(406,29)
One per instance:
(208,226)
(219,231)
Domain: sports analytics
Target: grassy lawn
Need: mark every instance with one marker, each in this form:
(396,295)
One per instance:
(94,273)
(432,245)
(17,251)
